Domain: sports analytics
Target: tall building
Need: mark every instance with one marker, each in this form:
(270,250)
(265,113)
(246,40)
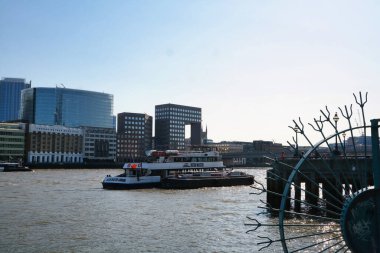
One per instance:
(134,136)
(12,142)
(171,120)
(67,107)
(10,94)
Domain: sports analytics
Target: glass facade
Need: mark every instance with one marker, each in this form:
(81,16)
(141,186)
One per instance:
(10,94)
(12,142)
(67,107)
(170,126)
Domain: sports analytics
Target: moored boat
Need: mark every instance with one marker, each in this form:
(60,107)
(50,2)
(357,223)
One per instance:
(13,167)
(207,179)
(177,170)
(134,177)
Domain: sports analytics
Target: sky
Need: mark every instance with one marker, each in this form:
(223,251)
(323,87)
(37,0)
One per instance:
(252,66)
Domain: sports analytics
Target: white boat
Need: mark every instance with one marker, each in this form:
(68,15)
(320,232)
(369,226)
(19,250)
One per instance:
(134,177)
(172,161)
(168,166)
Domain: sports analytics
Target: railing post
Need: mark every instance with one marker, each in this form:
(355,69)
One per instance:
(375,152)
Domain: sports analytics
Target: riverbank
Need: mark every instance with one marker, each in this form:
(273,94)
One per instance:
(76,166)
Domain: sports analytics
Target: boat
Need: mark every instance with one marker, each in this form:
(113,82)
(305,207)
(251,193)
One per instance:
(177,170)
(173,161)
(134,177)
(206,179)
(13,167)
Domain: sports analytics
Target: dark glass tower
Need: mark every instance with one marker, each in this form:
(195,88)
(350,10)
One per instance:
(10,94)
(134,136)
(170,125)
(67,107)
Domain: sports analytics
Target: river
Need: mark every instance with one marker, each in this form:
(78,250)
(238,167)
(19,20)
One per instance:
(68,211)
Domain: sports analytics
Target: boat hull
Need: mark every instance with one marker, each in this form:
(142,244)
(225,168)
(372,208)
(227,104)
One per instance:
(127,183)
(121,186)
(15,169)
(194,183)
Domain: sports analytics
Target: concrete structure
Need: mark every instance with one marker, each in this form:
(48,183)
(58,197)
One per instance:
(67,107)
(228,146)
(12,142)
(10,95)
(99,144)
(134,136)
(54,144)
(170,123)
(239,153)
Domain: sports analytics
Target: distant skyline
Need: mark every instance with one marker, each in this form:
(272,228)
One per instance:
(252,66)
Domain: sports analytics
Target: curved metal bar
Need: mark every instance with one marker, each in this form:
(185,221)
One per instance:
(327,118)
(326,140)
(288,184)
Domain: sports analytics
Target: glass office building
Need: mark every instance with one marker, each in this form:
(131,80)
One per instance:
(12,142)
(10,94)
(170,123)
(67,107)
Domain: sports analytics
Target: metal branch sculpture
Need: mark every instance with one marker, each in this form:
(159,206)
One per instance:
(319,128)
(361,103)
(347,115)
(319,190)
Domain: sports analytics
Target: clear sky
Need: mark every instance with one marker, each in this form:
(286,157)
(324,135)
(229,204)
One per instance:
(252,66)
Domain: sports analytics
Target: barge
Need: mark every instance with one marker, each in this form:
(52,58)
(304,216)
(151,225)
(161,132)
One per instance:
(207,179)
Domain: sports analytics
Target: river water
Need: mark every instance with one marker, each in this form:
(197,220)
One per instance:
(68,211)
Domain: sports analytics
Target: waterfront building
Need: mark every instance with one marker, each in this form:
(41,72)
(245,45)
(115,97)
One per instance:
(240,153)
(359,144)
(228,146)
(134,136)
(170,123)
(12,142)
(99,144)
(10,94)
(67,107)
(54,144)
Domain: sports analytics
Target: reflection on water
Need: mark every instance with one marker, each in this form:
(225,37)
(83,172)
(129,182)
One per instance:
(68,211)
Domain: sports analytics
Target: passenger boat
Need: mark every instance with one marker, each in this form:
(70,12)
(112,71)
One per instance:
(13,167)
(134,177)
(177,170)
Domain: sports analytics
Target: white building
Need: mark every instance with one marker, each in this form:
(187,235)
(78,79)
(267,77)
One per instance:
(54,144)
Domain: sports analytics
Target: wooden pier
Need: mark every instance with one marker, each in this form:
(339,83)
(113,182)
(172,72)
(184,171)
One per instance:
(321,183)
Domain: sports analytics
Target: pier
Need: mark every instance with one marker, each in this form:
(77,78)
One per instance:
(333,188)
(322,183)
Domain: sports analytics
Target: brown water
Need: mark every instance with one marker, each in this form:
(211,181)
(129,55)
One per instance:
(68,211)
